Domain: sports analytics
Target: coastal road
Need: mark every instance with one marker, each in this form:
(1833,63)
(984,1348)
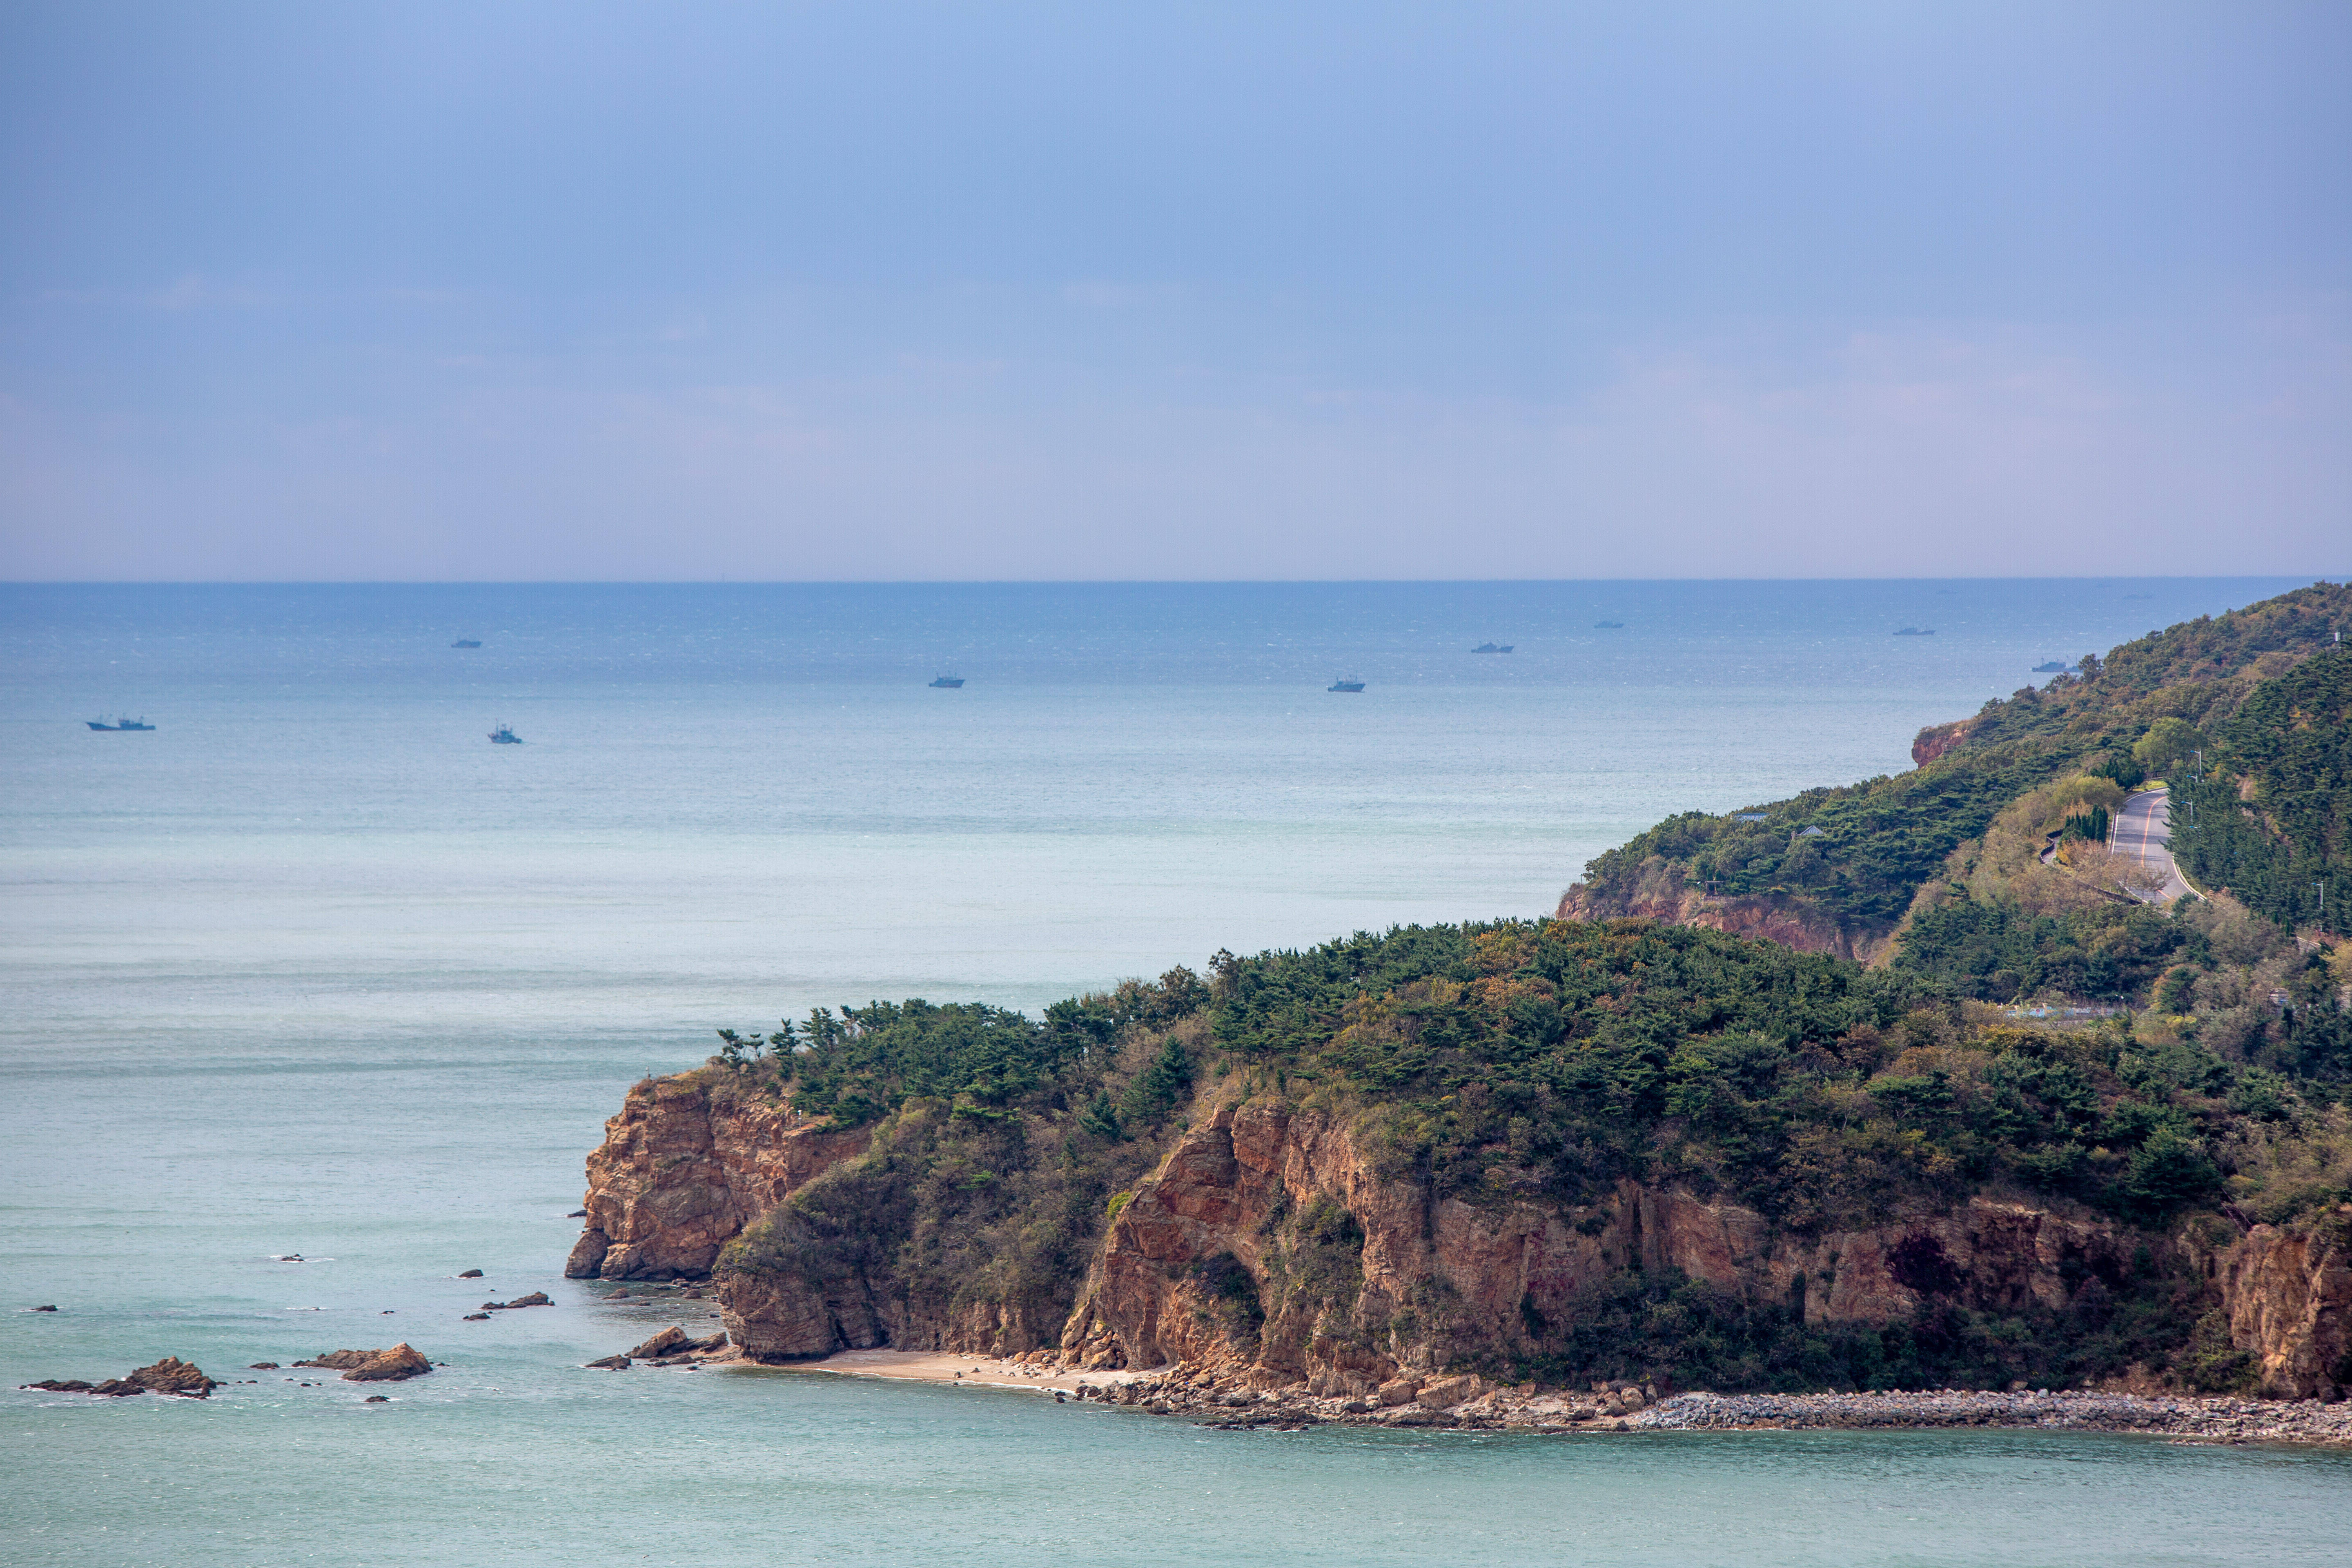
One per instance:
(2143,830)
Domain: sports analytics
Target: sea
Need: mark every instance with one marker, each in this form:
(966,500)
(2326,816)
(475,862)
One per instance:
(312,997)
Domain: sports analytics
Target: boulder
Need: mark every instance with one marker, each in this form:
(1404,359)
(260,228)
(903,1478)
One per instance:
(339,1360)
(536,1299)
(476,1318)
(612,1363)
(377,1399)
(1397,1391)
(400,1362)
(1444,1392)
(263,1366)
(59,1385)
(471,1274)
(669,1341)
(587,1255)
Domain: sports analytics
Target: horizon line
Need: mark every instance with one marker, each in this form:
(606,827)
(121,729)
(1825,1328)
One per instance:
(2336,579)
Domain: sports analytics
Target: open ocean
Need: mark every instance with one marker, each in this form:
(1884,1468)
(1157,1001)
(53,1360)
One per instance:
(314,968)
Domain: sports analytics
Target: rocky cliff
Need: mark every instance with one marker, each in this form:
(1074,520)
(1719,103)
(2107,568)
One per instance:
(1266,1244)
(2286,1298)
(684,1167)
(1551,1151)
(1660,893)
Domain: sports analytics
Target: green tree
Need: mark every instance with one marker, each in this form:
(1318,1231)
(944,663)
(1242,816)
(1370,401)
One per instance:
(2167,743)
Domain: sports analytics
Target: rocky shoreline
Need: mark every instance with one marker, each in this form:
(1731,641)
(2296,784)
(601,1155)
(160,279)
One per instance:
(1470,1403)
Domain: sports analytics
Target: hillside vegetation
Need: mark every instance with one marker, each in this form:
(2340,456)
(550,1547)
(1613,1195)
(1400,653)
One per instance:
(1882,840)
(1543,1064)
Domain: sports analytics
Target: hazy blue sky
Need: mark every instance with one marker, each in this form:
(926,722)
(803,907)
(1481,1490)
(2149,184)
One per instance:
(857,290)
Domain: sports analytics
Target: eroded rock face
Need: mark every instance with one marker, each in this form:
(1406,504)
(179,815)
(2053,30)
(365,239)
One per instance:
(683,1168)
(1660,894)
(2288,1295)
(1939,741)
(1397,1286)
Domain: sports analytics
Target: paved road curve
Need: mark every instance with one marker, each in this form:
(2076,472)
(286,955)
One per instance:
(2143,830)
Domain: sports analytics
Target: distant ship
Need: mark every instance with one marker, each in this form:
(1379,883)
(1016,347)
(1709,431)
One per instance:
(504,735)
(465,642)
(121,724)
(1608,626)
(948,682)
(1916,632)
(1491,647)
(1345,686)
(2052,668)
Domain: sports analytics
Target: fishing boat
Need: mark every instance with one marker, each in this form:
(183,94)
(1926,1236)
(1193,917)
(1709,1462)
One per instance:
(140,723)
(467,642)
(504,735)
(2051,667)
(1916,632)
(947,683)
(1491,647)
(1608,626)
(1345,686)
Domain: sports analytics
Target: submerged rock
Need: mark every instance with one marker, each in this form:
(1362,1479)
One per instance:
(470,1274)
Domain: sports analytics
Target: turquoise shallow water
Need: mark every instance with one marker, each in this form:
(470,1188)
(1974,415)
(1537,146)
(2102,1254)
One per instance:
(313,968)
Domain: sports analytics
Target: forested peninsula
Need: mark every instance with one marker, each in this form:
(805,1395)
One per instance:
(1940,1094)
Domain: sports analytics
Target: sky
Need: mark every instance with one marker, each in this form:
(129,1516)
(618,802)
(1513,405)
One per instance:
(595,291)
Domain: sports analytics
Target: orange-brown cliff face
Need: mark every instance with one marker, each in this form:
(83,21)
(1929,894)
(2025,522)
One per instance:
(1268,1244)
(2288,1294)
(1661,895)
(1939,740)
(684,1168)
(1360,1279)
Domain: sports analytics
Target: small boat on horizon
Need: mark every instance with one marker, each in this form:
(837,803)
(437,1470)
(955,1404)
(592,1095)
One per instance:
(1608,626)
(947,683)
(467,642)
(1345,686)
(1916,632)
(1493,647)
(2051,667)
(138,723)
(504,735)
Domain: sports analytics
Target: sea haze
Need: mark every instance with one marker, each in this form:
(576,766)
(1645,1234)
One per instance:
(313,967)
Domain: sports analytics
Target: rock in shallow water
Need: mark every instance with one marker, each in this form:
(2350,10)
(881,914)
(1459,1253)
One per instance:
(170,1375)
(669,1341)
(401,1361)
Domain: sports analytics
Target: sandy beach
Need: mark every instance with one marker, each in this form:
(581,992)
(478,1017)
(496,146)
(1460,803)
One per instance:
(986,1371)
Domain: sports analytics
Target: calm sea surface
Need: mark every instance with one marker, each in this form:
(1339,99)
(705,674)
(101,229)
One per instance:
(314,968)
